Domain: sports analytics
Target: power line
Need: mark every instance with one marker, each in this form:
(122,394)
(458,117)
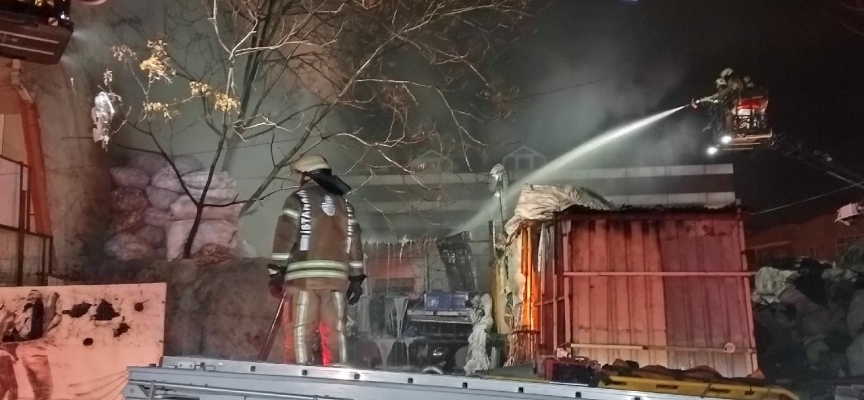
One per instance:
(241,146)
(561,89)
(805,200)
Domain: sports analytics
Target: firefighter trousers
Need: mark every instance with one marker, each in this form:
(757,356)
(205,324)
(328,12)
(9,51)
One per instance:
(307,311)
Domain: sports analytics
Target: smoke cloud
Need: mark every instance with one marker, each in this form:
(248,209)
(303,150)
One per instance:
(627,76)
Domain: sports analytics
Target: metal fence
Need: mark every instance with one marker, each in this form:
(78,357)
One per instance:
(26,257)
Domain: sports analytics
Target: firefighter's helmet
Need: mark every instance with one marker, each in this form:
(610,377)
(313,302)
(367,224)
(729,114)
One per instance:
(311,162)
(720,82)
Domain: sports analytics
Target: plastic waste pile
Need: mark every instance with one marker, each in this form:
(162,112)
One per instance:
(153,214)
(481,319)
(809,318)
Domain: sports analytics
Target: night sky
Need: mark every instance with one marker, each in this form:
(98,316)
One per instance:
(652,55)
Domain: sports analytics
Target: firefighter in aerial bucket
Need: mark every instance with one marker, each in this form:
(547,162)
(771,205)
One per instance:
(317,263)
(722,102)
(717,107)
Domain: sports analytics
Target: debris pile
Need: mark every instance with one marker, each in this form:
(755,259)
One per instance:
(809,317)
(700,381)
(153,212)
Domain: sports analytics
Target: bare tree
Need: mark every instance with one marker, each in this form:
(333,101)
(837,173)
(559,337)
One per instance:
(399,74)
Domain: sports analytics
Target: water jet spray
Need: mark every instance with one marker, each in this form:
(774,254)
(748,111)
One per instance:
(512,193)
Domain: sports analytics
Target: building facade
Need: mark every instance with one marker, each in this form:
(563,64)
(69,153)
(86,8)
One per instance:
(819,237)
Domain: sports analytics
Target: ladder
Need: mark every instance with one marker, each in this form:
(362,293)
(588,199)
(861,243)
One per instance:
(184,378)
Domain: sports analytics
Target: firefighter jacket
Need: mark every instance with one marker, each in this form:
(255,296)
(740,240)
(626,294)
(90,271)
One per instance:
(317,244)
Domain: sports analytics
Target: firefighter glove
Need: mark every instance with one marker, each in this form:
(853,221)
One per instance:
(276,282)
(355,289)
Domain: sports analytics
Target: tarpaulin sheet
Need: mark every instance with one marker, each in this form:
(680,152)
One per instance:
(540,202)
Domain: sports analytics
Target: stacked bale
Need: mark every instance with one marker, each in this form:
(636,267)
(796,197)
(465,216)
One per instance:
(808,317)
(153,213)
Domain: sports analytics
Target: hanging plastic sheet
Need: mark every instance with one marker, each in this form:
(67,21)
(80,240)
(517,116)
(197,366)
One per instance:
(364,324)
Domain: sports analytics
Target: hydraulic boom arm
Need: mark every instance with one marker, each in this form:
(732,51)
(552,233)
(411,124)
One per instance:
(815,159)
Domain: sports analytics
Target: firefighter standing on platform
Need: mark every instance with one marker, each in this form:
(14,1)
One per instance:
(729,89)
(317,262)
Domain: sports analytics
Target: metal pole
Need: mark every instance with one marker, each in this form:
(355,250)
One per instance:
(43,255)
(492,239)
(226,391)
(50,256)
(22,207)
(501,204)
(271,334)
(428,269)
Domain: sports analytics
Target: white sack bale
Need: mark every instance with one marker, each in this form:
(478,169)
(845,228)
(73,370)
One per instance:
(770,282)
(223,233)
(216,196)
(855,356)
(129,222)
(184,208)
(129,177)
(128,199)
(125,247)
(167,179)
(157,218)
(187,164)
(148,162)
(198,180)
(161,199)
(855,315)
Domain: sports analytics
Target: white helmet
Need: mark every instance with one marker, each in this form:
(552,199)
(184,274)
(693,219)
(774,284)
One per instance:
(726,73)
(310,162)
(720,82)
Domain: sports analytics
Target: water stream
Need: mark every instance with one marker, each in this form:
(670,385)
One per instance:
(511,195)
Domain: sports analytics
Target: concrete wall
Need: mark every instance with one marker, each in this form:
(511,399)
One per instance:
(91,335)
(221,311)
(76,169)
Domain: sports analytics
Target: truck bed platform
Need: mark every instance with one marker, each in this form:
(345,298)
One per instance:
(184,378)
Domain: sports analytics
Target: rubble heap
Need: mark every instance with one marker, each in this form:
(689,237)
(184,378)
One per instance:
(153,212)
(809,318)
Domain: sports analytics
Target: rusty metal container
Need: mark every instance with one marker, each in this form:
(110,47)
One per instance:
(664,286)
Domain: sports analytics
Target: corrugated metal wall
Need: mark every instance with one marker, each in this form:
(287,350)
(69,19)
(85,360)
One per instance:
(662,288)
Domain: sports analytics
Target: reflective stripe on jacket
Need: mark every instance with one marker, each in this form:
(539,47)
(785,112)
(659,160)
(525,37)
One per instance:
(317,236)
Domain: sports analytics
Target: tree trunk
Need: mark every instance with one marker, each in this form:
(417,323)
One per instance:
(187,248)
(202,202)
(230,152)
